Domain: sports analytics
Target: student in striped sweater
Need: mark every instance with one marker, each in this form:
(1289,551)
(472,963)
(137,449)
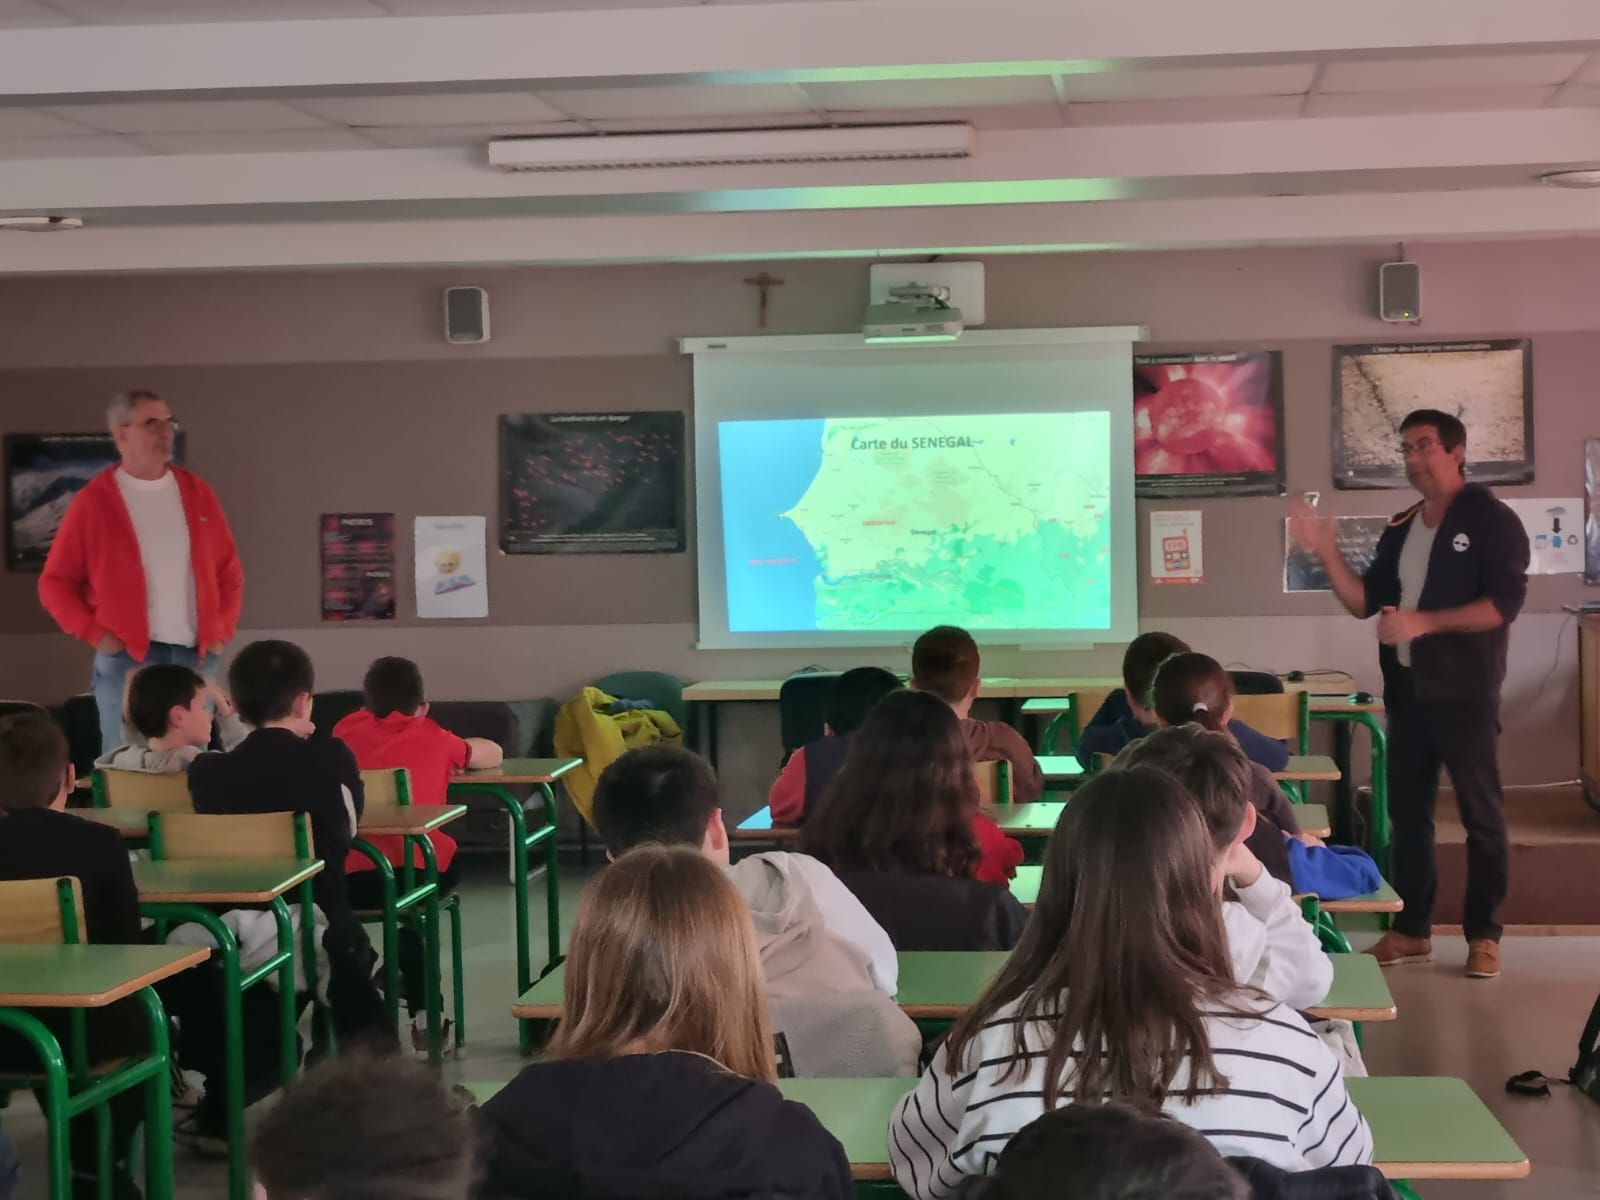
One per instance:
(1122,989)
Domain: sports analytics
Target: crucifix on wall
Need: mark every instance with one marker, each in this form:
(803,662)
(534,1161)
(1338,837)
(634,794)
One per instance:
(766,283)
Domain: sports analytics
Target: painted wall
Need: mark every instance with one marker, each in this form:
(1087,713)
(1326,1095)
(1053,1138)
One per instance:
(315,392)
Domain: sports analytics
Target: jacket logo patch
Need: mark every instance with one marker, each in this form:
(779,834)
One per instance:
(1460,542)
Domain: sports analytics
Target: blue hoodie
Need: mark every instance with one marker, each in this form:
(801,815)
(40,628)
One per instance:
(1115,726)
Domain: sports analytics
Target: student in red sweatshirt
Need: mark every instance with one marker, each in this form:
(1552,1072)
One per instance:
(945,663)
(813,766)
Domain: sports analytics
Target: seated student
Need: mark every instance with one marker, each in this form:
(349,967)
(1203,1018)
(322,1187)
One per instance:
(1122,989)
(811,767)
(659,1080)
(1192,688)
(279,767)
(1272,945)
(40,840)
(168,708)
(1111,1152)
(945,663)
(1126,715)
(900,825)
(394,730)
(830,970)
(360,1127)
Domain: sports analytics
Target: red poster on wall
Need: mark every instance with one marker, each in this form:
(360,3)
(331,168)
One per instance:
(358,567)
(1208,424)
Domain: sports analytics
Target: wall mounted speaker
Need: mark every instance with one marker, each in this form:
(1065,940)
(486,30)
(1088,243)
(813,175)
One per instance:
(1400,292)
(466,315)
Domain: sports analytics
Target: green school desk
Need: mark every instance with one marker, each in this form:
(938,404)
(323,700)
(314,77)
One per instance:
(84,977)
(413,822)
(1344,713)
(496,783)
(186,890)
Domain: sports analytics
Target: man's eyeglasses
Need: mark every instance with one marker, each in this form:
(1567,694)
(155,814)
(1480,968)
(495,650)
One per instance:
(1417,448)
(153,424)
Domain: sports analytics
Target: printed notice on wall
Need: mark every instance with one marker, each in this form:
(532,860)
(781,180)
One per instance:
(358,567)
(452,567)
(1555,534)
(1175,548)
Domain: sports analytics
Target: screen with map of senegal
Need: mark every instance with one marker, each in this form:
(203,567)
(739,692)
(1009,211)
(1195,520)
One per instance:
(891,500)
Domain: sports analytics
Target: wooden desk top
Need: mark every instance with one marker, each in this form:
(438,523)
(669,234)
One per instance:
(415,819)
(1314,768)
(758,827)
(1056,767)
(1384,900)
(996,688)
(520,770)
(1035,820)
(131,823)
(1342,704)
(1434,1128)
(220,880)
(1313,818)
(88,976)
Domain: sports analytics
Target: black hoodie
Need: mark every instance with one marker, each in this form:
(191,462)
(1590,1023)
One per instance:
(653,1127)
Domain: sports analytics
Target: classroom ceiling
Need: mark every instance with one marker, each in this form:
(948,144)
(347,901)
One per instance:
(204,133)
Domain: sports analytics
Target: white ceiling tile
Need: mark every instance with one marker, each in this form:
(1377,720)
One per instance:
(1186,83)
(695,124)
(427,137)
(25,14)
(1474,71)
(89,146)
(283,141)
(1177,112)
(1010,116)
(454,108)
(188,116)
(153,12)
(685,100)
(30,122)
(933,93)
(1381,104)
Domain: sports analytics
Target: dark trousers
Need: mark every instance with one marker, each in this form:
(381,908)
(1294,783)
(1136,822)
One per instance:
(366,892)
(1463,738)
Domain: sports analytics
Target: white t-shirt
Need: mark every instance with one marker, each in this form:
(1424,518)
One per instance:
(1413,568)
(163,532)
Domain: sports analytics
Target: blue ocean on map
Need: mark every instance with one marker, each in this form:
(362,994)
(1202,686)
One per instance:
(766,467)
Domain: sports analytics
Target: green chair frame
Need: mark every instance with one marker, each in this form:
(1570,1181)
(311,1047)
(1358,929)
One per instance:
(399,908)
(235,980)
(71,1088)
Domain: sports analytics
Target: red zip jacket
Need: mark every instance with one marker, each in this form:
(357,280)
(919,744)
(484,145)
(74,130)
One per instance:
(93,581)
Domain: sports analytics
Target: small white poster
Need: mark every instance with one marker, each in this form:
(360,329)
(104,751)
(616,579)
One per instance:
(1175,556)
(1555,534)
(452,567)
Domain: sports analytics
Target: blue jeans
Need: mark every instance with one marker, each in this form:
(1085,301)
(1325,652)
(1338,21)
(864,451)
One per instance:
(111,673)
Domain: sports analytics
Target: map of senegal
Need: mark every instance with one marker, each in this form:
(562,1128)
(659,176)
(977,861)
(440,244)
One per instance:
(998,520)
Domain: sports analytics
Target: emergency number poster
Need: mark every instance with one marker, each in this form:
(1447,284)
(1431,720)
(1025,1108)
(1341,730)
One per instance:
(358,566)
(1175,548)
(452,567)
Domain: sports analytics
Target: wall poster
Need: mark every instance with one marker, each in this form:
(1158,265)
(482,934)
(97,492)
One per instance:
(452,566)
(592,483)
(1176,548)
(1358,540)
(358,566)
(1208,424)
(1591,525)
(44,471)
(1488,385)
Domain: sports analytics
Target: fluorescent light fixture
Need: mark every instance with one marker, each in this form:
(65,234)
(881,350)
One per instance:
(1571,179)
(40,224)
(615,151)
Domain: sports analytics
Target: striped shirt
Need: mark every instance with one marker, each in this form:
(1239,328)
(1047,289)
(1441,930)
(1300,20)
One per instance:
(1285,1101)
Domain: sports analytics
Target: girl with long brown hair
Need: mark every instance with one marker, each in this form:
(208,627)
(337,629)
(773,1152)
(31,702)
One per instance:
(660,1079)
(1122,989)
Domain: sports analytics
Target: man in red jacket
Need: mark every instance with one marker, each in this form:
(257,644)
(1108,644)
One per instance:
(143,567)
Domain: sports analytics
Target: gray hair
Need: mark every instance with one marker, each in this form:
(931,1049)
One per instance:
(120,411)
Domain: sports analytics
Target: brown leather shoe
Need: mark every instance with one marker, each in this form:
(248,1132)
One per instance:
(1393,948)
(1483,959)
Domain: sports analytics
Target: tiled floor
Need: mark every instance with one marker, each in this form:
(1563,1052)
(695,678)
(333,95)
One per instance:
(1484,1031)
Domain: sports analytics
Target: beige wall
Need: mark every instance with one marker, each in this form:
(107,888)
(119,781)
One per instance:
(306,393)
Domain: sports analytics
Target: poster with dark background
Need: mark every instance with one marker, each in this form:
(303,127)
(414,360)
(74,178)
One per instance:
(1591,524)
(1358,542)
(1208,424)
(357,566)
(592,483)
(1488,385)
(44,471)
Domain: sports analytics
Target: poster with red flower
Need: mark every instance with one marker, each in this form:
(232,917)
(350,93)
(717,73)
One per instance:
(1208,424)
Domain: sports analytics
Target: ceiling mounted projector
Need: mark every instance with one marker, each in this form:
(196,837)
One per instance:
(618,151)
(914,313)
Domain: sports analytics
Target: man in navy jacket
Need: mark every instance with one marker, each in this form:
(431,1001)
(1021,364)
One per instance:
(1449,576)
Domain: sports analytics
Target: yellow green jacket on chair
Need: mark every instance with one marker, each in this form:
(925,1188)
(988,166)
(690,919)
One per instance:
(585,730)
